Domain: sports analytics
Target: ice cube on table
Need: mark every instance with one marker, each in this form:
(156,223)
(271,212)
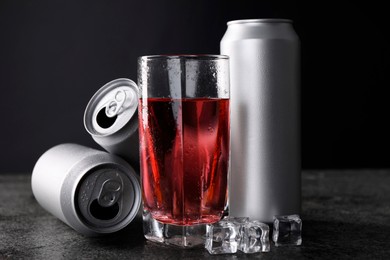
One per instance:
(254,237)
(223,237)
(236,220)
(287,230)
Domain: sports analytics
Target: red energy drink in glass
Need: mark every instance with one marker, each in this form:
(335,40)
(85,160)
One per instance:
(184,137)
(184,155)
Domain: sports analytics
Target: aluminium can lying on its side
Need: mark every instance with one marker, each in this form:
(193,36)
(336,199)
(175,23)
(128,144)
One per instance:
(111,118)
(92,191)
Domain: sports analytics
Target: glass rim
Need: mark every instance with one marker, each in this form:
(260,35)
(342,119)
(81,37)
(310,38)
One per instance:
(185,56)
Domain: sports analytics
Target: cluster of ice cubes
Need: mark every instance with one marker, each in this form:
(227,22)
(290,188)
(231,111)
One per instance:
(251,236)
(232,234)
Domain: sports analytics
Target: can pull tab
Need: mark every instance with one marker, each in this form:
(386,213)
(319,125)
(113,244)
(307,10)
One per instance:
(114,106)
(110,193)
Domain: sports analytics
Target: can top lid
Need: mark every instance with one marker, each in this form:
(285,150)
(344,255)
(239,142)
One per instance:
(111,107)
(266,20)
(108,198)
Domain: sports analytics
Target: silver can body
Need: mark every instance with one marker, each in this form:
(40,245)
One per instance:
(111,118)
(265,118)
(91,191)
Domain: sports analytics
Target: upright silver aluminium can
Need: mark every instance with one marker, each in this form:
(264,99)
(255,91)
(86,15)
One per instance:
(92,191)
(111,118)
(265,118)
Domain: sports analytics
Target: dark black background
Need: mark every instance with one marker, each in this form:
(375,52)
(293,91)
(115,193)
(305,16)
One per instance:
(55,54)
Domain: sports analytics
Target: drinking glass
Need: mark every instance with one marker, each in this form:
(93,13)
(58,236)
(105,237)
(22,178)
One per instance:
(184,127)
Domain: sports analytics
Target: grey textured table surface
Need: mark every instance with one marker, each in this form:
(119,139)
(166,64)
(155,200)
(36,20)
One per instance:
(346,215)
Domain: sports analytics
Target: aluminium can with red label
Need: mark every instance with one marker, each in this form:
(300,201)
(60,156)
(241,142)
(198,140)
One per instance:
(92,191)
(111,118)
(265,118)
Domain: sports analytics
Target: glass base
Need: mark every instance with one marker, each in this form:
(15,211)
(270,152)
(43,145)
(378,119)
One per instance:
(173,235)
